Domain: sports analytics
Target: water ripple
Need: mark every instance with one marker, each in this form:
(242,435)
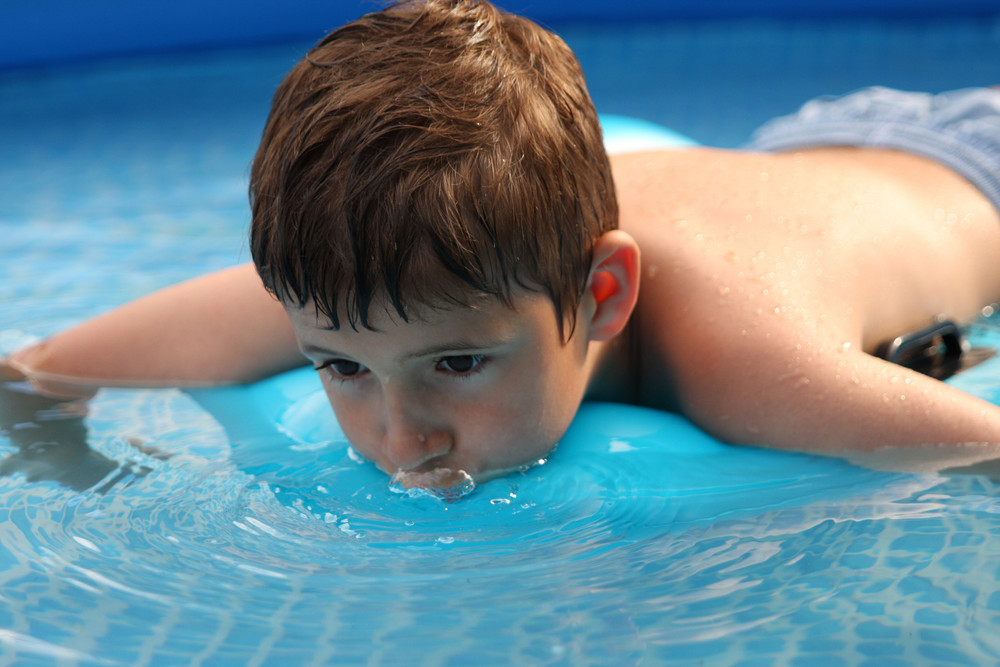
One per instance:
(620,548)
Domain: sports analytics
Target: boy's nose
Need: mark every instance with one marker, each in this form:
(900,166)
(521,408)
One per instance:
(410,450)
(411,441)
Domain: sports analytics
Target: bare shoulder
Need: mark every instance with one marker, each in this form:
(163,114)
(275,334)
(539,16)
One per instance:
(826,224)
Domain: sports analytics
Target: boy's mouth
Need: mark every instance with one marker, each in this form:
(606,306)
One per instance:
(444,484)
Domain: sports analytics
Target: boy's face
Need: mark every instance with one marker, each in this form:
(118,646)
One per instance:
(482,390)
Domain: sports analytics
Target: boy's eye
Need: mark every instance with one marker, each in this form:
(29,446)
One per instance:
(462,363)
(342,367)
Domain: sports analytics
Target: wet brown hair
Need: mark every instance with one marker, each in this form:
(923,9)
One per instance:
(428,155)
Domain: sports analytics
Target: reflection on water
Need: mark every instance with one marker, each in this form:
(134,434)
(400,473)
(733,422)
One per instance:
(48,441)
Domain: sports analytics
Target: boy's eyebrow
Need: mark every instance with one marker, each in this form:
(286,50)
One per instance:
(457,345)
(310,350)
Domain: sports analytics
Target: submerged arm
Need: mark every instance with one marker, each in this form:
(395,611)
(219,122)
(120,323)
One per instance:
(220,328)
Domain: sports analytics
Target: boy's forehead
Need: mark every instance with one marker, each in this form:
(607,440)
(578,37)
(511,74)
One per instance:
(493,326)
(383,315)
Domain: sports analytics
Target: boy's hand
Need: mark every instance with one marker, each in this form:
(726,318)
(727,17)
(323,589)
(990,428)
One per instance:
(9,372)
(54,387)
(47,436)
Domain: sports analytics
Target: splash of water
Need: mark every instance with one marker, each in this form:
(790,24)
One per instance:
(441,483)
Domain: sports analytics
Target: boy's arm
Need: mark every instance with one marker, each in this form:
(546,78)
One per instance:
(835,399)
(220,328)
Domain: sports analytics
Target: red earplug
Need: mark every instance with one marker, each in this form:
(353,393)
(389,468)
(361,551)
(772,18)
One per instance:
(602,285)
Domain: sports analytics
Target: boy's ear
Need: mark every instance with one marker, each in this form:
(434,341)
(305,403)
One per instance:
(613,285)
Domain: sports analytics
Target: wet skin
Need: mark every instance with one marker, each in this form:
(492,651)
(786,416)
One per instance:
(768,277)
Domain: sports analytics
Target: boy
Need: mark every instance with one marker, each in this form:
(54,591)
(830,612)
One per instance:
(436,215)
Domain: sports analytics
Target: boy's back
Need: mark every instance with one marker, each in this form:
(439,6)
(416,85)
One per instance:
(768,276)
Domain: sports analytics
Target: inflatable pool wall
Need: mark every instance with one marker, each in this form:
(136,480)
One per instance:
(40,32)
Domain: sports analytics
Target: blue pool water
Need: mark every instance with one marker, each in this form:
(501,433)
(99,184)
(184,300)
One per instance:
(155,530)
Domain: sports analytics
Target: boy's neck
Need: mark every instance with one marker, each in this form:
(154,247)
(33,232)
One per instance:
(614,372)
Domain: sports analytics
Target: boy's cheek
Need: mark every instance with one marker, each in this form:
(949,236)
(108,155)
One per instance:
(352,420)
